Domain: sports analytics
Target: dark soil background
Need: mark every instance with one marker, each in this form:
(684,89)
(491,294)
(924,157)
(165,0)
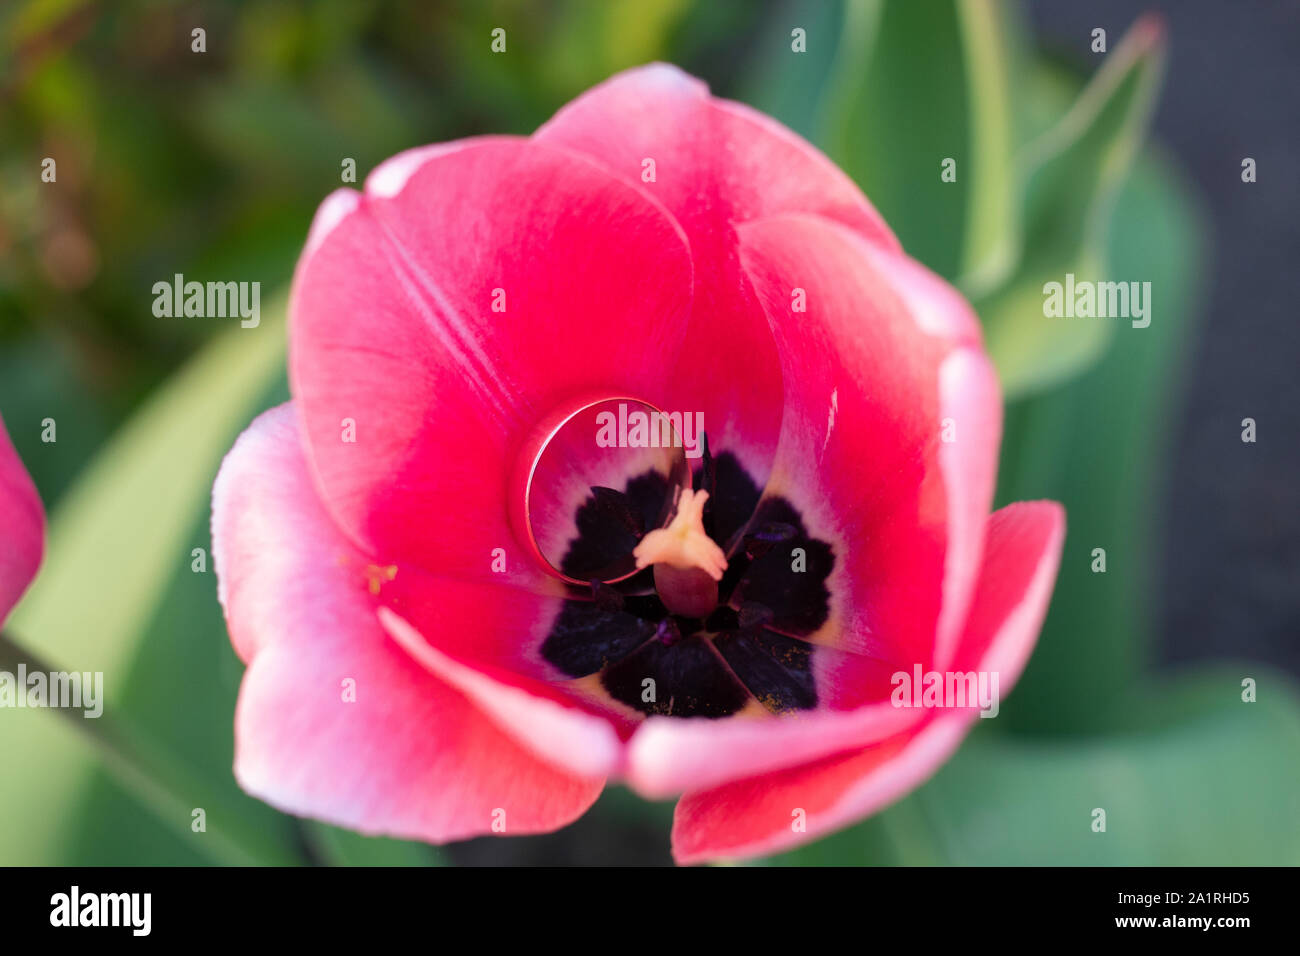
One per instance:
(1229,579)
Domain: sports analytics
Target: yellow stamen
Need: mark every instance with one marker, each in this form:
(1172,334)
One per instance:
(376,576)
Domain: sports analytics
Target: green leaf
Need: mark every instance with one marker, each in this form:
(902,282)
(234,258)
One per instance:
(1071,175)
(897,108)
(1199,778)
(1095,445)
(119,541)
(790,86)
(990,35)
(916,86)
(1191,775)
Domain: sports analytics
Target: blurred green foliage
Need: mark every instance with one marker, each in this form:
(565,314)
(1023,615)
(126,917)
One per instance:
(212,165)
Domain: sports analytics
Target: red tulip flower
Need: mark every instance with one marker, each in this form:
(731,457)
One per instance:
(470,586)
(22,526)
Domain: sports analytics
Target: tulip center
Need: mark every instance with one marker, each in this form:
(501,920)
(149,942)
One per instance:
(725,587)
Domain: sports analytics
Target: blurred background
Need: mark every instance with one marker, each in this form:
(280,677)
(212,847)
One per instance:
(1124,164)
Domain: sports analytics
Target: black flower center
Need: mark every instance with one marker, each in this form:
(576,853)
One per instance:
(750,650)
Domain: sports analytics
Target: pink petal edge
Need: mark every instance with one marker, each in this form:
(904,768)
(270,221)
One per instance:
(409,755)
(22,526)
(753,817)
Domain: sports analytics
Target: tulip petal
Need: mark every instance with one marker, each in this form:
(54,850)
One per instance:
(486,641)
(22,525)
(859,453)
(667,756)
(1024,541)
(971,407)
(715,164)
(754,817)
(471,290)
(543,718)
(335,720)
(410,758)
(716,161)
